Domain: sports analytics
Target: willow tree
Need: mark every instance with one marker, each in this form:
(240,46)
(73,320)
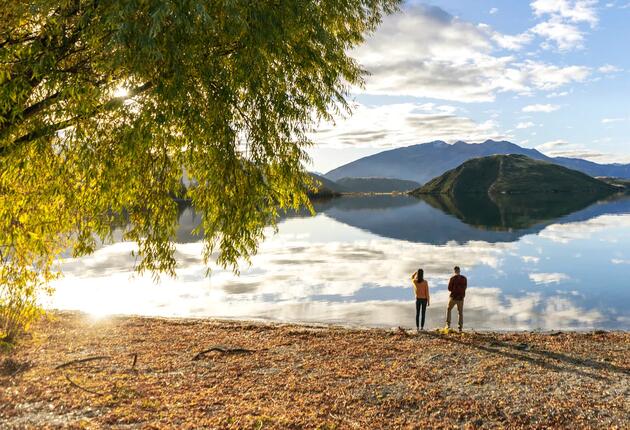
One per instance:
(104,105)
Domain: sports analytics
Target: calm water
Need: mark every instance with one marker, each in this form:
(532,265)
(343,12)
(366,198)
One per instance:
(530,265)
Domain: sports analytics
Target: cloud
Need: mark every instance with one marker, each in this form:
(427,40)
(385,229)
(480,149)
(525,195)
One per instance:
(558,94)
(612,120)
(549,77)
(572,10)
(580,152)
(523,125)
(561,27)
(425,52)
(609,68)
(548,278)
(552,145)
(619,261)
(512,42)
(493,11)
(402,124)
(562,148)
(541,108)
(566,36)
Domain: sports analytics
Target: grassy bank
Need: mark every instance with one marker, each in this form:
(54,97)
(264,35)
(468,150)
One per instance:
(153,373)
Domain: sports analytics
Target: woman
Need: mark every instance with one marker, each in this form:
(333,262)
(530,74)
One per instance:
(421,288)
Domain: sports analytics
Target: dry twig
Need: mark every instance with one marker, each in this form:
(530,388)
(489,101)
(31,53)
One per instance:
(223,350)
(135,360)
(87,390)
(82,360)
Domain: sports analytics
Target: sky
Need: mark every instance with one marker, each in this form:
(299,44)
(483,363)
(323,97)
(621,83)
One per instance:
(547,74)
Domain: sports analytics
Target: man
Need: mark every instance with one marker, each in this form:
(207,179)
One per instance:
(457,286)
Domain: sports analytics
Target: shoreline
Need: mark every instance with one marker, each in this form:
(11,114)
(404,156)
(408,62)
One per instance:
(336,325)
(163,372)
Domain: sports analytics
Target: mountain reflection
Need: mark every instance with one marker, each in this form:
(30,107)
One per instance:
(511,211)
(439,219)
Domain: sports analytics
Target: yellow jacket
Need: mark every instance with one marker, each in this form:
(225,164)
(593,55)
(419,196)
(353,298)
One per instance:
(420,288)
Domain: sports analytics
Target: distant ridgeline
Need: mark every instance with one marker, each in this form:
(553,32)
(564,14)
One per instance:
(512,191)
(421,163)
(361,185)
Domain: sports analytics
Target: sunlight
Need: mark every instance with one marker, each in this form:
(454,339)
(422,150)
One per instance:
(121,92)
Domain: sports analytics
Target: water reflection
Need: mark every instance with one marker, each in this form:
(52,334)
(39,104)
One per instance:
(350,264)
(510,211)
(408,218)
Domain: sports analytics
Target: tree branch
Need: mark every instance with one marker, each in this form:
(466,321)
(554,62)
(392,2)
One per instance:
(50,129)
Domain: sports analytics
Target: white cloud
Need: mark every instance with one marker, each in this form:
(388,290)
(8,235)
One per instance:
(523,125)
(619,261)
(512,42)
(425,52)
(549,77)
(609,68)
(562,25)
(402,124)
(611,120)
(558,94)
(493,11)
(571,10)
(561,148)
(541,108)
(548,278)
(554,144)
(566,36)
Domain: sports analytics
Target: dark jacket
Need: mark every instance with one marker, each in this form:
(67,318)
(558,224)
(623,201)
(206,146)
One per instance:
(457,287)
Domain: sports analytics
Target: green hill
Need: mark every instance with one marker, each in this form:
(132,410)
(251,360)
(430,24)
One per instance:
(326,187)
(513,174)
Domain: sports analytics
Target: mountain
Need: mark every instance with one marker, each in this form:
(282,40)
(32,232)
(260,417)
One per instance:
(498,175)
(326,187)
(512,191)
(423,162)
(376,185)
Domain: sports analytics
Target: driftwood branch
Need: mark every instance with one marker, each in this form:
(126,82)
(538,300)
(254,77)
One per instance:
(83,360)
(135,360)
(223,350)
(87,390)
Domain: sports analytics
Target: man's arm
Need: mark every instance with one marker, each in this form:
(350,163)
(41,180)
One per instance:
(464,283)
(450,284)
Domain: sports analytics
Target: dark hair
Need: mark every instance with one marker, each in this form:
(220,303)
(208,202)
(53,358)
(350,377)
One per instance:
(420,275)
(456,269)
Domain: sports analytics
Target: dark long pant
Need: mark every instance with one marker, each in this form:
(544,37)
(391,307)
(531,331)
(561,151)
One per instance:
(420,304)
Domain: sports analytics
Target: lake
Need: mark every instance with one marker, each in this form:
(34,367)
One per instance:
(556,266)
